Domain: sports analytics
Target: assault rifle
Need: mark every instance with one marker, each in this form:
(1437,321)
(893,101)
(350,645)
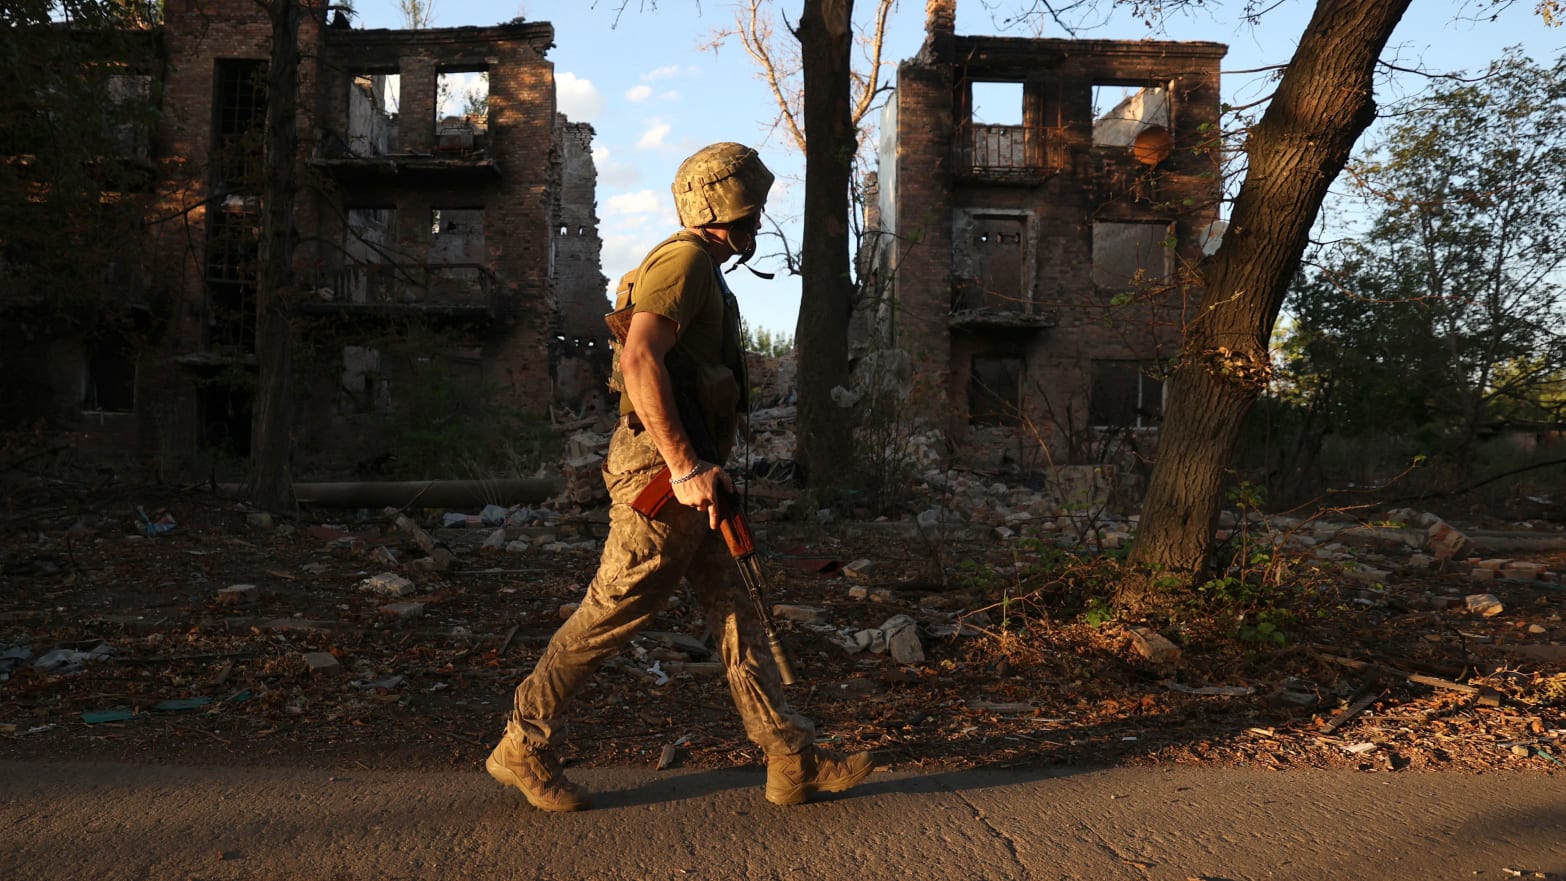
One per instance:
(732,524)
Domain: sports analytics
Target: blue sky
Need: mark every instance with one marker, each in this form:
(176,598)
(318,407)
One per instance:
(654,93)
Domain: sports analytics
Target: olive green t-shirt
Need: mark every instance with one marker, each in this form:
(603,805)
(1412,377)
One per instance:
(679,281)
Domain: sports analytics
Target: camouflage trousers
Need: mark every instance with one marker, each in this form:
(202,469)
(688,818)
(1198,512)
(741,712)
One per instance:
(642,564)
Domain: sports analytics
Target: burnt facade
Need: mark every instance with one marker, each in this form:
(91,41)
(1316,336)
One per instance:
(445,226)
(1037,203)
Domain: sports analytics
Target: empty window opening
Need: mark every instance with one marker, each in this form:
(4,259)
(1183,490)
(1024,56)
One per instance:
(109,377)
(461,109)
(997,103)
(363,385)
(370,245)
(457,255)
(1122,112)
(998,135)
(1129,256)
(1125,394)
(991,259)
(233,264)
(224,413)
(238,120)
(129,106)
(995,391)
(373,99)
(458,233)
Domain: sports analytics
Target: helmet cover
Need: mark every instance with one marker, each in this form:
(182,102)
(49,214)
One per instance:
(720,183)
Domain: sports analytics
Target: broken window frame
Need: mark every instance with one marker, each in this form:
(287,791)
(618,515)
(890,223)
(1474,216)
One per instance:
(108,377)
(461,131)
(238,124)
(1137,279)
(387,115)
(232,272)
(457,281)
(1139,371)
(371,264)
(1126,143)
(987,406)
(999,148)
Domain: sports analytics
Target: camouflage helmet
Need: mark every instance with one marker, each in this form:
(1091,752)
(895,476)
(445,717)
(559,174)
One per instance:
(720,183)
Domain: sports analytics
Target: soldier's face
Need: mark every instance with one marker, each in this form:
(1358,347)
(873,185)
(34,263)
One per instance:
(742,233)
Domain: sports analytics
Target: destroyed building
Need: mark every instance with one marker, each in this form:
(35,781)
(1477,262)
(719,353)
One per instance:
(446,238)
(1034,203)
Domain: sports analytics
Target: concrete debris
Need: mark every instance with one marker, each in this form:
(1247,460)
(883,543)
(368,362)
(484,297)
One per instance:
(584,481)
(1368,575)
(873,594)
(873,641)
(322,663)
(238,594)
(440,558)
(389,583)
(402,611)
(902,640)
(859,569)
(496,541)
(1486,604)
(1444,540)
(1154,646)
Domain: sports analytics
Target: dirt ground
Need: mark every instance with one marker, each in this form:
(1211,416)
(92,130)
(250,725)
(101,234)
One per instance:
(161,663)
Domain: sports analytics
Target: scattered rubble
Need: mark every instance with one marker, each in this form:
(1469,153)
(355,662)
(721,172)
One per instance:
(410,626)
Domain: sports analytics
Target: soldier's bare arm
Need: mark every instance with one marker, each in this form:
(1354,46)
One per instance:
(647,381)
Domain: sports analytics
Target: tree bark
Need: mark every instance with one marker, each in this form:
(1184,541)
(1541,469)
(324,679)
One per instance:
(1322,104)
(271,485)
(821,335)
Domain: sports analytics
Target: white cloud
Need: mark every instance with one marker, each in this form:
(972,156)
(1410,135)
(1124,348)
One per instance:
(652,139)
(617,175)
(671,96)
(600,154)
(637,94)
(665,72)
(577,98)
(639,202)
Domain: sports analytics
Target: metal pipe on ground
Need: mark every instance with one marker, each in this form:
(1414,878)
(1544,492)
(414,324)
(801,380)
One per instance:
(425,493)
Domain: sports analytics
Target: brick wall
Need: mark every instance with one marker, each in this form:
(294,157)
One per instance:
(1057,200)
(516,181)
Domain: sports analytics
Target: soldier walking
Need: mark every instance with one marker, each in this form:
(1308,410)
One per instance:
(681,313)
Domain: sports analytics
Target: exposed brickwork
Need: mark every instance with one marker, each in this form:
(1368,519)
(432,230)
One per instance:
(526,174)
(946,197)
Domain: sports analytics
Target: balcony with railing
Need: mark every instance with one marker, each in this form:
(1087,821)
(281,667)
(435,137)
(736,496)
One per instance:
(452,290)
(1003,152)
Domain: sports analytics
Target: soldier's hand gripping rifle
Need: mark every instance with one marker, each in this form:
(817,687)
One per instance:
(732,524)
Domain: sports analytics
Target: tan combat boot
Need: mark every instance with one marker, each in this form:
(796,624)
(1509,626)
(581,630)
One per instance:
(537,773)
(791,779)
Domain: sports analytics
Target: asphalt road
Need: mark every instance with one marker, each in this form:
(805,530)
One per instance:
(85,822)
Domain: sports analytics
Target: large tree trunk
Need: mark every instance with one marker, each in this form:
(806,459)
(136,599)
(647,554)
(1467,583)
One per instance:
(826,38)
(270,484)
(1322,105)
